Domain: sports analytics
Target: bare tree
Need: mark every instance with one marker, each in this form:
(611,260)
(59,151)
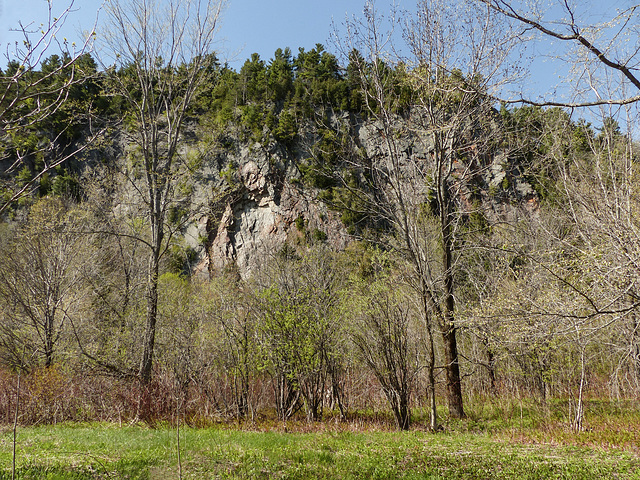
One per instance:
(565,292)
(39,283)
(593,51)
(385,334)
(598,178)
(600,186)
(157,55)
(238,353)
(433,143)
(29,96)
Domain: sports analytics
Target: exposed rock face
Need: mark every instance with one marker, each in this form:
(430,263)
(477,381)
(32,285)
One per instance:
(266,208)
(263,203)
(251,199)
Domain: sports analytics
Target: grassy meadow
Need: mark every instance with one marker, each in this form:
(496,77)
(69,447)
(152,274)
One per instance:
(514,442)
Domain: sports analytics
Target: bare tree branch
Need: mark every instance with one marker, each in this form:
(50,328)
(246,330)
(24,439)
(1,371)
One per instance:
(575,36)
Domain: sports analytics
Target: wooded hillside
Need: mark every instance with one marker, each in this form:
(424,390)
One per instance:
(315,234)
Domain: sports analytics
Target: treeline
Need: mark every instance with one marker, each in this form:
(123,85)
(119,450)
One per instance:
(264,100)
(315,334)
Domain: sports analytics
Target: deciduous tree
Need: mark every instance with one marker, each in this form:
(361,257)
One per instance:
(386,332)
(157,55)
(40,276)
(433,119)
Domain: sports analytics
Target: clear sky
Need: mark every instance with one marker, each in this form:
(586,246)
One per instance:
(262,26)
(248,26)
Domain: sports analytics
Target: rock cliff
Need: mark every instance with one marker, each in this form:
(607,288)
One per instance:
(264,203)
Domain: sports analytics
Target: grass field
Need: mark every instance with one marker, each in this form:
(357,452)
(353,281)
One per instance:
(487,448)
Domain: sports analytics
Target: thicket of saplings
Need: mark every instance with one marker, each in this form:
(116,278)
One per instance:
(313,334)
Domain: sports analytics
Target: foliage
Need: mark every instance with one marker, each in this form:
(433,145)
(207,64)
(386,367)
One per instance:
(300,331)
(515,229)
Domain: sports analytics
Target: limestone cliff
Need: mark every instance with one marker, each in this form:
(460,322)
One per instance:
(262,201)
(262,204)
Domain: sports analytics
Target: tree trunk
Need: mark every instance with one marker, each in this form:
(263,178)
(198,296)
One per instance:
(405,413)
(399,401)
(431,389)
(49,339)
(635,347)
(242,394)
(156,186)
(448,328)
(491,366)
(454,385)
(431,365)
(146,365)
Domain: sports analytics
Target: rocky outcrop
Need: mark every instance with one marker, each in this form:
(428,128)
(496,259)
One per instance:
(260,202)
(264,206)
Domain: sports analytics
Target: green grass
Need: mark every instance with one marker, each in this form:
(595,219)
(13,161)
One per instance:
(106,451)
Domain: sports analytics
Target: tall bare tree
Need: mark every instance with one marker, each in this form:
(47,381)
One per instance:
(433,141)
(157,54)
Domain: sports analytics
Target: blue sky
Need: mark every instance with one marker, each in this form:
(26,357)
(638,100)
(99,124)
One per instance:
(264,26)
(248,26)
